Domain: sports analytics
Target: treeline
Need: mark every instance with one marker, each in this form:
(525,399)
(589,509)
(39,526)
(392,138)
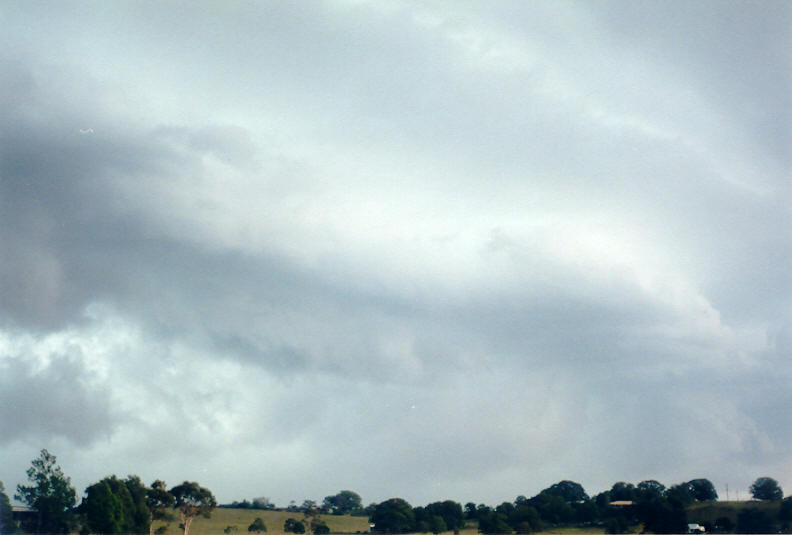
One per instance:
(110,506)
(114,506)
(648,507)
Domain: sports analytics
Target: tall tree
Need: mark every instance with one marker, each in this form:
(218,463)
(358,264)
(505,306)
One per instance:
(192,500)
(138,519)
(766,488)
(7,524)
(50,494)
(159,502)
(103,509)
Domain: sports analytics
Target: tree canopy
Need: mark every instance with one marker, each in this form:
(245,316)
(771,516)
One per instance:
(50,494)
(766,488)
(344,503)
(393,516)
(192,500)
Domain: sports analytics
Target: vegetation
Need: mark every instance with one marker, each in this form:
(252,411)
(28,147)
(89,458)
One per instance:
(192,500)
(50,494)
(766,488)
(114,506)
(7,524)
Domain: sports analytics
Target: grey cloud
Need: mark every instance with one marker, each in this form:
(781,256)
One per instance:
(59,400)
(531,352)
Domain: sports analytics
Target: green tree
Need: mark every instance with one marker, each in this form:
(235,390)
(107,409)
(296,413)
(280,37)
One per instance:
(103,509)
(702,490)
(192,500)
(451,513)
(293,526)
(766,488)
(622,491)
(318,527)
(437,524)
(139,516)
(569,491)
(159,501)
(50,494)
(7,524)
(257,525)
(393,516)
(344,503)
(650,490)
(491,522)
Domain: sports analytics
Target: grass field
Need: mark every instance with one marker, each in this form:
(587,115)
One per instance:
(242,518)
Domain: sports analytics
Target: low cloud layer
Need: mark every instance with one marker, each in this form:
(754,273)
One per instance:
(434,252)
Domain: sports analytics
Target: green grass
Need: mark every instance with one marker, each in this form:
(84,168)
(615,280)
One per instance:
(242,518)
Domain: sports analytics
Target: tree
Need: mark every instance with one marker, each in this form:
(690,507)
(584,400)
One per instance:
(451,513)
(568,490)
(293,526)
(344,503)
(766,488)
(650,490)
(622,491)
(7,524)
(159,502)
(138,518)
(318,527)
(493,522)
(192,500)
(702,490)
(50,494)
(393,516)
(257,525)
(103,509)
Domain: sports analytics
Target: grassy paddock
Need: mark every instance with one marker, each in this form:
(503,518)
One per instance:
(242,518)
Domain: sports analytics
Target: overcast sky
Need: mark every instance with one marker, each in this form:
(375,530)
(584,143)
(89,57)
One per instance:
(430,250)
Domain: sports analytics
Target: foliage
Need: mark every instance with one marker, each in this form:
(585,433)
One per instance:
(650,489)
(318,527)
(702,490)
(393,516)
(159,501)
(753,520)
(191,500)
(293,526)
(344,503)
(231,529)
(622,491)
(103,509)
(50,494)
(679,495)
(7,524)
(257,525)
(766,488)
(569,491)
(493,522)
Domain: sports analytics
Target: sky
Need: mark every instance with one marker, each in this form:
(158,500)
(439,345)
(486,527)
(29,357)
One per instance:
(433,250)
